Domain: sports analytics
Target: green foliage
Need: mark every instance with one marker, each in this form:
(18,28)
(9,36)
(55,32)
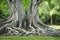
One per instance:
(56,19)
(50,8)
(26,4)
(4,11)
(44,12)
(49,2)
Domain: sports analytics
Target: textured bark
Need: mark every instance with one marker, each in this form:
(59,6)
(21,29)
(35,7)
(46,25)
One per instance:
(25,23)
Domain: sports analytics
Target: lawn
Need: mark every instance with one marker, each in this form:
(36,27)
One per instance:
(28,38)
(55,26)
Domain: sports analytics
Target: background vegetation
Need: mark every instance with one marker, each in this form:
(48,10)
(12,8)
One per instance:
(4,11)
(49,11)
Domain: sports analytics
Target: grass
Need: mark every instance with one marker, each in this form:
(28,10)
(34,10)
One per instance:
(56,26)
(28,38)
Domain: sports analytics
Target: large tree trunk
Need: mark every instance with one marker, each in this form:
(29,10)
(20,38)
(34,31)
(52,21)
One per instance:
(22,22)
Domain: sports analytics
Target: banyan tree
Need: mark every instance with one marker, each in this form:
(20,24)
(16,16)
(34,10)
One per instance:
(23,22)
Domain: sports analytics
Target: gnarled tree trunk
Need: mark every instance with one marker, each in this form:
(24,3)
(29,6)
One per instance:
(24,22)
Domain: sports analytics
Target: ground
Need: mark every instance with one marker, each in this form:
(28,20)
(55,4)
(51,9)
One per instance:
(55,26)
(28,38)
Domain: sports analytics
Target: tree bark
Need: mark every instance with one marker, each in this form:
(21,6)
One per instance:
(24,22)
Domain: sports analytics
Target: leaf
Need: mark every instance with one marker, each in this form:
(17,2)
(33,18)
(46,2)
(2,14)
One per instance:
(26,4)
(49,2)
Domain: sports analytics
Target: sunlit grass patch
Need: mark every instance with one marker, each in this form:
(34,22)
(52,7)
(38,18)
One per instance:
(56,26)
